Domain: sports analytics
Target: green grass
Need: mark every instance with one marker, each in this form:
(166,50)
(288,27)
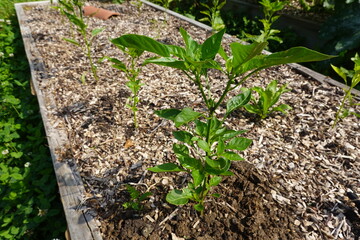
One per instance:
(30,207)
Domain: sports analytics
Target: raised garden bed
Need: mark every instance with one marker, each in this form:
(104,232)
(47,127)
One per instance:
(295,182)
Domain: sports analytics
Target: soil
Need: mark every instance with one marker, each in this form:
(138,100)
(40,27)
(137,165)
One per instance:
(300,179)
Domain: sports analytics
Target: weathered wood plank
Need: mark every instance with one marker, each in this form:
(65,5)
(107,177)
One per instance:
(81,225)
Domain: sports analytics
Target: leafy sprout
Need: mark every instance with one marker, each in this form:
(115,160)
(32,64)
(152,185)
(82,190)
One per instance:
(136,198)
(348,101)
(268,97)
(73,10)
(213,15)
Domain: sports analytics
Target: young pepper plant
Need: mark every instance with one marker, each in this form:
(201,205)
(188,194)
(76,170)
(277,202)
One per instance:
(132,72)
(268,97)
(207,146)
(348,101)
(269,9)
(136,198)
(73,10)
(213,15)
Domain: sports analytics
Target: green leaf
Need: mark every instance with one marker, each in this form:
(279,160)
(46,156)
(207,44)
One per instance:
(182,153)
(341,73)
(12,100)
(238,101)
(204,145)
(232,156)
(217,167)
(183,136)
(220,147)
(96,31)
(199,207)
(227,173)
(211,46)
(77,22)
(16,154)
(216,195)
(167,62)
(179,197)
(214,181)
(191,45)
(223,54)
(253,109)
(134,194)
(142,43)
(243,53)
(181,149)
(144,196)
(198,176)
(282,108)
(238,143)
(189,162)
(169,114)
(14,230)
(292,55)
(200,128)
(166,167)
(185,116)
(118,64)
(204,19)
(17,176)
(177,51)
(67,6)
(72,41)
(232,133)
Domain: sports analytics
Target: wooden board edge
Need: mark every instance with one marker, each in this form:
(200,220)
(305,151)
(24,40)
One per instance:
(81,224)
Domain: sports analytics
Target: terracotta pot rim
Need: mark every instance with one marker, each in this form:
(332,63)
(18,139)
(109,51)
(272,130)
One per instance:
(100,13)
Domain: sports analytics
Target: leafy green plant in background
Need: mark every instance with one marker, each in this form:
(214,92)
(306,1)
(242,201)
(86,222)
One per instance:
(269,9)
(348,102)
(268,97)
(138,4)
(30,207)
(131,71)
(315,4)
(136,198)
(207,146)
(73,10)
(164,3)
(340,35)
(318,5)
(119,1)
(213,15)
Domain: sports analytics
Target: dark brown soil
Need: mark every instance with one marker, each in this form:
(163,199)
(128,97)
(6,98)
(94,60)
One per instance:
(246,210)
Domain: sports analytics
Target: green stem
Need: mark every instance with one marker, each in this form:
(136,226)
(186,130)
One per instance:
(227,89)
(88,51)
(135,119)
(245,78)
(197,81)
(342,105)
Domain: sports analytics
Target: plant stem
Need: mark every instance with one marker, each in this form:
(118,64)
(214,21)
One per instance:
(135,119)
(88,51)
(337,117)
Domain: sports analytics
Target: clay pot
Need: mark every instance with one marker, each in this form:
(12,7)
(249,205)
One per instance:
(99,12)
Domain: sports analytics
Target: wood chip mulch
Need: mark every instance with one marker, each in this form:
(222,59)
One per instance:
(316,167)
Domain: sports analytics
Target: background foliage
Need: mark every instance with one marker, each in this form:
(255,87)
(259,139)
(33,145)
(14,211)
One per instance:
(339,33)
(30,207)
